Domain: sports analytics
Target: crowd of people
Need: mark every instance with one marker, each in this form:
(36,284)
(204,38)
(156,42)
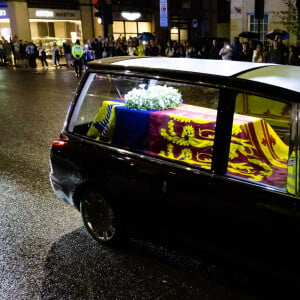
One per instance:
(273,51)
(256,51)
(26,54)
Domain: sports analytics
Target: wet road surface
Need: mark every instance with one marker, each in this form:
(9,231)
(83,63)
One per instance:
(45,252)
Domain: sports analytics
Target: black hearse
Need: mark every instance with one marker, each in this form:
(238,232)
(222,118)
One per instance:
(202,150)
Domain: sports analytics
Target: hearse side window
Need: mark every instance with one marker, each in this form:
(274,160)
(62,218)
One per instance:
(260,141)
(166,119)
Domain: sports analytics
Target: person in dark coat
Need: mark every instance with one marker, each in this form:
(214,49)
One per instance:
(214,50)
(31,53)
(293,58)
(152,49)
(275,54)
(246,53)
(236,49)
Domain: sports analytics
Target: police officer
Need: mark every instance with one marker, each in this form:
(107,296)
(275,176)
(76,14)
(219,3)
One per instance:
(77,52)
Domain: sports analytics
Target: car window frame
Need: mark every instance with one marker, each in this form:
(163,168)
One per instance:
(228,87)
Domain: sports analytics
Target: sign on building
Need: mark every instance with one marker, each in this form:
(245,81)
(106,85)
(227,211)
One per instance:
(163,13)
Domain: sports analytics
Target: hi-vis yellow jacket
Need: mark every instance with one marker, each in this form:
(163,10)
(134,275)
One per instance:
(77,51)
(293,178)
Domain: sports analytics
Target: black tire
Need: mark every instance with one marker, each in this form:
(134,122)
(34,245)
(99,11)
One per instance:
(100,220)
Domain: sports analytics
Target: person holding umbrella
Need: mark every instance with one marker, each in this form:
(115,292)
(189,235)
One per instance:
(145,36)
(249,35)
(246,53)
(144,39)
(275,54)
(283,49)
(279,35)
(140,49)
(272,35)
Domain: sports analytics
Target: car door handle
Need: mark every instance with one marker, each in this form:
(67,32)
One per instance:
(164,187)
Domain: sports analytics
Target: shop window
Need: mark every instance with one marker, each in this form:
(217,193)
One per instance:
(178,4)
(144,27)
(51,29)
(5,32)
(186,4)
(130,28)
(174,34)
(69,27)
(78,30)
(179,35)
(262,25)
(44,28)
(118,26)
(260,142)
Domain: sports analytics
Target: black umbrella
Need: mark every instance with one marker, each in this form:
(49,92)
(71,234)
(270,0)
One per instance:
(145,36)
(249,35)
(272,34)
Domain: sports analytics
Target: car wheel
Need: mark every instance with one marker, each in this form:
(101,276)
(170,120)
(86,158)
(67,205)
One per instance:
(100,219)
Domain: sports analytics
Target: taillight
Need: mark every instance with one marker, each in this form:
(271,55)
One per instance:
(59,143)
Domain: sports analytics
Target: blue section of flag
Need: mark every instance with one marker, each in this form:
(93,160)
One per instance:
(131,130)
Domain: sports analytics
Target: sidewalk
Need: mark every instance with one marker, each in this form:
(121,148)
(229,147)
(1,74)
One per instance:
(38,63)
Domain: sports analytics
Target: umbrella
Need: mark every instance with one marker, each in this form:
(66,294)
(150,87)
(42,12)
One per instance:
(249,35)
(272,34)
(145,36)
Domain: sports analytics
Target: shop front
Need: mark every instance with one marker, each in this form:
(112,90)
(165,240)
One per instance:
(5,30)
(51,26)
(130,24)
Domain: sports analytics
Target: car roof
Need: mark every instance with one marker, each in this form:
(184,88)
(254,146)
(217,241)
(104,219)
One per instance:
(280,75)
(284,76)
(208,66)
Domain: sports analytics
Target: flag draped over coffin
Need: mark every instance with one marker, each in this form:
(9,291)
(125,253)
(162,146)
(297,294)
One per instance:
(187,134)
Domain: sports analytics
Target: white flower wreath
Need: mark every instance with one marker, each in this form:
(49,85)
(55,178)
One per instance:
(156,97)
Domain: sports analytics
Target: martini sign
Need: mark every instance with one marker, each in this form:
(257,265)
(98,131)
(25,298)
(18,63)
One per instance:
(163,13)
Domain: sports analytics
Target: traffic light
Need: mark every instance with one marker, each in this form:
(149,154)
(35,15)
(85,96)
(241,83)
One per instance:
(98,14)
(98,4)
(105,13)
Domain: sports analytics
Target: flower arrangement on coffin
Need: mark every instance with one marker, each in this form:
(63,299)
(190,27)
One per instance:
(156,97)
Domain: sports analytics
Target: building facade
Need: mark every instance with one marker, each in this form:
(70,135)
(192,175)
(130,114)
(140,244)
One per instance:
(242,18)
(180,20)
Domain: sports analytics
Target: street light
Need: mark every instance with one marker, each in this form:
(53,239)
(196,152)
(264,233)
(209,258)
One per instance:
(130,16)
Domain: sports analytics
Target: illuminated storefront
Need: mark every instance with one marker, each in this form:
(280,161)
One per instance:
(130,28)
(54,25)
(131,24)
(5,30)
